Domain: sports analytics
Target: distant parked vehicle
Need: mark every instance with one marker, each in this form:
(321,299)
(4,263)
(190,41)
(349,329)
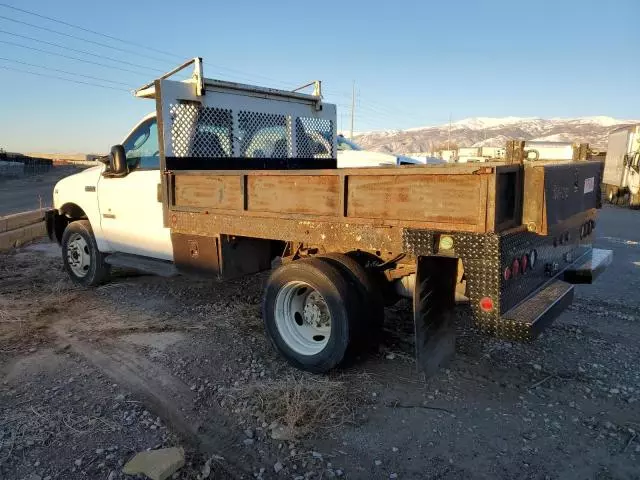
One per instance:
(352,155)
(621,176)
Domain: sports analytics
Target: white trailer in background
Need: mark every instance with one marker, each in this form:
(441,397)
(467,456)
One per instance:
(549,150)
(621,176)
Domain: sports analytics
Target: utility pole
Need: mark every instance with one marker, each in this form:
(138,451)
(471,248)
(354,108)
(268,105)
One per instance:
(353,107)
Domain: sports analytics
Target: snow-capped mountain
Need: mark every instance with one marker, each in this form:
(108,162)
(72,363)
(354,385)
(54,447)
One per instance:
(490,131)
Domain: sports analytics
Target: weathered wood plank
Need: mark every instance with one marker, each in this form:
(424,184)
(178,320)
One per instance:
(209,191)
(426,198)
(312,195)
(22,235)
(18,220)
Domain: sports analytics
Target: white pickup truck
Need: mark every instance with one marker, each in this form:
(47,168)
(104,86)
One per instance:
(226,180)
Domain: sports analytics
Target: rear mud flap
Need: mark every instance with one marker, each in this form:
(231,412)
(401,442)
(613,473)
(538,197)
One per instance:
(433,310)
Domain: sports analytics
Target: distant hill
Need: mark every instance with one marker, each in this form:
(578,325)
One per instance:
(492,132)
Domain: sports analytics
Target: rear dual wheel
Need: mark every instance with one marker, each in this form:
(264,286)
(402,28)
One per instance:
(316,312)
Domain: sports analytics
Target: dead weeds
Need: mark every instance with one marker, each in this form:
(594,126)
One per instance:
(301,405)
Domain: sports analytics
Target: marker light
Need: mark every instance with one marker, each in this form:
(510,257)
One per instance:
(486,304)
(446,242)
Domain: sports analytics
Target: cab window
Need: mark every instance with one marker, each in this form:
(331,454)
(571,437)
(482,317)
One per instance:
(141,147)
(344,144)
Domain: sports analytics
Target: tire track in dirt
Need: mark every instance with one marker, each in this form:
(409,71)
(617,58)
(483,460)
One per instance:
(167,396)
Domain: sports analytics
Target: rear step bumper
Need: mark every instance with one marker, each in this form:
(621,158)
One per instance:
(532,315)
(538,311)
(588,267)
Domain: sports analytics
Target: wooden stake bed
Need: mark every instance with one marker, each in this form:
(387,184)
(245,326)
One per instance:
(456,198)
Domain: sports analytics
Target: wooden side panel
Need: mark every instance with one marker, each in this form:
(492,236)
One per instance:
(299,194)
(452,199)
(209,191)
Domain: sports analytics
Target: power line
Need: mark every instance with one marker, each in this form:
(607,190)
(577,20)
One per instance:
(218,67)
(62,78)
(53,44)
(88,30)
(240,73)
(77,38)
(64,71)
(70,57)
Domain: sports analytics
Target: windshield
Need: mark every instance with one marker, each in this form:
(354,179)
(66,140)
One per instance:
(344,144)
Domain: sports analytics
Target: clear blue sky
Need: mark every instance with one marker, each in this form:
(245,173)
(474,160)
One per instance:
(413,63)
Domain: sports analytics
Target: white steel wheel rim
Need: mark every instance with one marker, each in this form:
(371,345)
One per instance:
(78,255)
(302,318)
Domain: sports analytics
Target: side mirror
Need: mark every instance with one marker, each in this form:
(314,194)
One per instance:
(118,160)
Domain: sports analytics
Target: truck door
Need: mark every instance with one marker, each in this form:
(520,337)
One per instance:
(130,206)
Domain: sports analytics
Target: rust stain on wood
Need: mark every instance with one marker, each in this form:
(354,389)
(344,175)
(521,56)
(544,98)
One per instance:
(314,195)
(451,199)
(209,191)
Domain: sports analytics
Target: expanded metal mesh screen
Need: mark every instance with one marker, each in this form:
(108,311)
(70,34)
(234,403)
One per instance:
(314,137)
(198,131)
(263,135)
(207,132)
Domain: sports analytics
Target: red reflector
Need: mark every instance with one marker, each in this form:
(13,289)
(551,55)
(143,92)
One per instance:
(507,273)
(515,267)
(486,304)
(524,263)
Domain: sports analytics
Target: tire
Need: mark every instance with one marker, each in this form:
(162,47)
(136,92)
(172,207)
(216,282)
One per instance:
(370,318)
(304,341)
(384,286)
(83,262)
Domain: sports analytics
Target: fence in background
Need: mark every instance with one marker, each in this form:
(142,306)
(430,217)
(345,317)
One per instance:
(20,166)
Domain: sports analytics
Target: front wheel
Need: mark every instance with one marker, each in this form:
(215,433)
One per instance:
(82,260)
(309,312)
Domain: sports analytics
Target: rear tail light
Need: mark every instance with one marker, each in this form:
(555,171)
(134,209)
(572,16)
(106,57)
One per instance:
(507,273)
(515,267)
(520,265)
(486,304)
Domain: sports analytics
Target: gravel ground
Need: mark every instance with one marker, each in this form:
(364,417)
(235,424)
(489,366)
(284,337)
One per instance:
(90,377)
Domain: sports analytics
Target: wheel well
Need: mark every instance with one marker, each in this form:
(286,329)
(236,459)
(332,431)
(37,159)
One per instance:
(66,214)
(72,211)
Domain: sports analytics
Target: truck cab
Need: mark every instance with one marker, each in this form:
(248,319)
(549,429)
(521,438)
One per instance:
(124,210)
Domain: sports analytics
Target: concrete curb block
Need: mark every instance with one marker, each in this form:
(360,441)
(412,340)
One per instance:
(18,229)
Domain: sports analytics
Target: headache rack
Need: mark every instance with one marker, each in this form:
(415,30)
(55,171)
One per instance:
(208,124)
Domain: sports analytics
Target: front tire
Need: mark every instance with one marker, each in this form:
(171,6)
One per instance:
(309,312)
(83,262)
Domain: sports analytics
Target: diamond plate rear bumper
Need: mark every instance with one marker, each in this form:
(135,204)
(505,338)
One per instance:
(532,315)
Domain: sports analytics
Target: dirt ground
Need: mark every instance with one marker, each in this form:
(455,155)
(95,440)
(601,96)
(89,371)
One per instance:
(90,377)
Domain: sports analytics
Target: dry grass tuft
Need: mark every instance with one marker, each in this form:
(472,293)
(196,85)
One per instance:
(303,404)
